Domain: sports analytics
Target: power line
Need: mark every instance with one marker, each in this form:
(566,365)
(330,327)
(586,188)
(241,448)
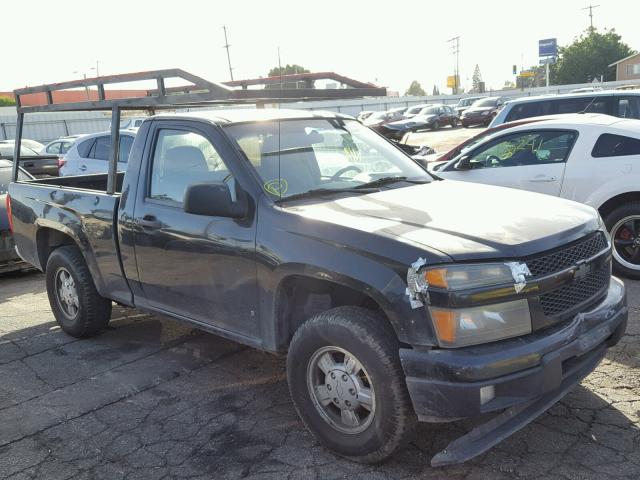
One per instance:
(456,52)
(226,45)
(590,8)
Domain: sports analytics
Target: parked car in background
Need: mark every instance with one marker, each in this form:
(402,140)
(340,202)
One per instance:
(34,163)
(430,117)
(90,154)
(619,103)
(482,111)
(589,158)
(377,119)
(414,110)
(32,144)
(363,115)
(9,259)
(465,103)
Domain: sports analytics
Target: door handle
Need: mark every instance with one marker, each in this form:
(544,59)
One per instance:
(82,168)
(148,221)
(543,179)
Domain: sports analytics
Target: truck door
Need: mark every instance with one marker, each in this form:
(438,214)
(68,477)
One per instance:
(529,160)
(199,267)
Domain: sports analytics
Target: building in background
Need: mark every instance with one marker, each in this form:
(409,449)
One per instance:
(628,68)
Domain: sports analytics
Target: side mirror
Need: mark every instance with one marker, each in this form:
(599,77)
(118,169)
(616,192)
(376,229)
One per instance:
(464,163)
(212,199)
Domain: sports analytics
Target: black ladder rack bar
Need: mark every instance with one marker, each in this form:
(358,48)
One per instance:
(198,93)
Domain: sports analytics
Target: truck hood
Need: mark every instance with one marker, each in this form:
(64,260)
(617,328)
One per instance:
(463,220)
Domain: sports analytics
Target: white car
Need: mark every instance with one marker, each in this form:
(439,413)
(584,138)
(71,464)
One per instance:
(25,142)
(90,154)
(589,158)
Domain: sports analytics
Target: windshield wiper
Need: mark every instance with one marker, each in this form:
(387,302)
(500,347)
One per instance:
(319,192)
(387,180)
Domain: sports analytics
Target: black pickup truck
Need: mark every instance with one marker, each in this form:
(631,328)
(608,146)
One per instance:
(397,296)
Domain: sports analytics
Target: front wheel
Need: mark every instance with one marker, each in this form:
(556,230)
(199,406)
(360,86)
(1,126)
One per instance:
(623,223)
(348,386)
(79,309)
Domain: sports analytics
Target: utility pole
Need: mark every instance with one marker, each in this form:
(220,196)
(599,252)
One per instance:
(590,8)
(455,41)
(226,45)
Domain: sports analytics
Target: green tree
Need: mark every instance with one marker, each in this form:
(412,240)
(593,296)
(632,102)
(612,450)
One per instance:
(415,89)
(589,57)
(7,102)
(287,70)
(476,79)
(436,91)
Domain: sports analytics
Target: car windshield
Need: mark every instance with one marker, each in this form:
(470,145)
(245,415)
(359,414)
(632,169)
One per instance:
(414,110)
(486,102)
(294,157)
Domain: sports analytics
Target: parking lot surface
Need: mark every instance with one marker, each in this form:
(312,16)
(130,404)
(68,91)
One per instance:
(151,398)
(444,139)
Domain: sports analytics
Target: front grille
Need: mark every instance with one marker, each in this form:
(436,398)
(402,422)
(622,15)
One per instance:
(576,293)
(568,256)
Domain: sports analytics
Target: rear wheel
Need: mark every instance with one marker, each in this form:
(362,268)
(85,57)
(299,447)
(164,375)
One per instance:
(454,123)
(435,125)
(79,309)
(623,223)
(348,386)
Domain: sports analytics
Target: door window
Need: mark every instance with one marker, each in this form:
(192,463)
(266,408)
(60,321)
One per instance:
(102,148)
(181,158)
(527,148)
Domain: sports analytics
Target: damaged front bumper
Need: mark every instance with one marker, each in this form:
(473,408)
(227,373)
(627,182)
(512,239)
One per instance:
(523,376)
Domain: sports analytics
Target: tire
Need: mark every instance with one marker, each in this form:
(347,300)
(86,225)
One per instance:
(435,125)
(624,263)
(389,421)
(66,274)
(454,123)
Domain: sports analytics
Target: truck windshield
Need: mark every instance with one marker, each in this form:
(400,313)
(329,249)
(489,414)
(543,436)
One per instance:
(293,157)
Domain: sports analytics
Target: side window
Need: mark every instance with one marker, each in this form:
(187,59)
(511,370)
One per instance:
(528,110)
(628,107)
(125,147)
(84,148)
(609,145)
(54,148)
(100,150)
(181,158)
(522,149)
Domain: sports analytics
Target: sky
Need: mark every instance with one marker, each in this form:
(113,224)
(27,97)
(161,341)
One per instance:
(389,43)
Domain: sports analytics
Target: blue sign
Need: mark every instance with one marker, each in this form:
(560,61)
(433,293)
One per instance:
(548,47)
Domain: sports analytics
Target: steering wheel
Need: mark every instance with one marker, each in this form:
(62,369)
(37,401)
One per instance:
(491,161)
(344,170)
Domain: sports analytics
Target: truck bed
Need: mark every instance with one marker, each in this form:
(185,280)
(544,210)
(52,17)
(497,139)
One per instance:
(64,210)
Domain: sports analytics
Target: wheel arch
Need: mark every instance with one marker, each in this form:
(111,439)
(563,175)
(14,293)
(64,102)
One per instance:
(614,202)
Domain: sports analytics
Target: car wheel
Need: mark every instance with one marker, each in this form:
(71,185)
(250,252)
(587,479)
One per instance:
(435,125)
(348,386)
(623,223)
(454,123)
(79,309)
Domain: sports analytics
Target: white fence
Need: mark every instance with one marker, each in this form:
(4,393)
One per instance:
(48,126)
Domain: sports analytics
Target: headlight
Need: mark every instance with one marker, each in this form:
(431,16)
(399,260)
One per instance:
(461,327)
(461,277)
(458,327)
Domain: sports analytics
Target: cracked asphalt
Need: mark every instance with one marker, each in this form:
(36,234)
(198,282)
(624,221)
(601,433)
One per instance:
(153,399)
